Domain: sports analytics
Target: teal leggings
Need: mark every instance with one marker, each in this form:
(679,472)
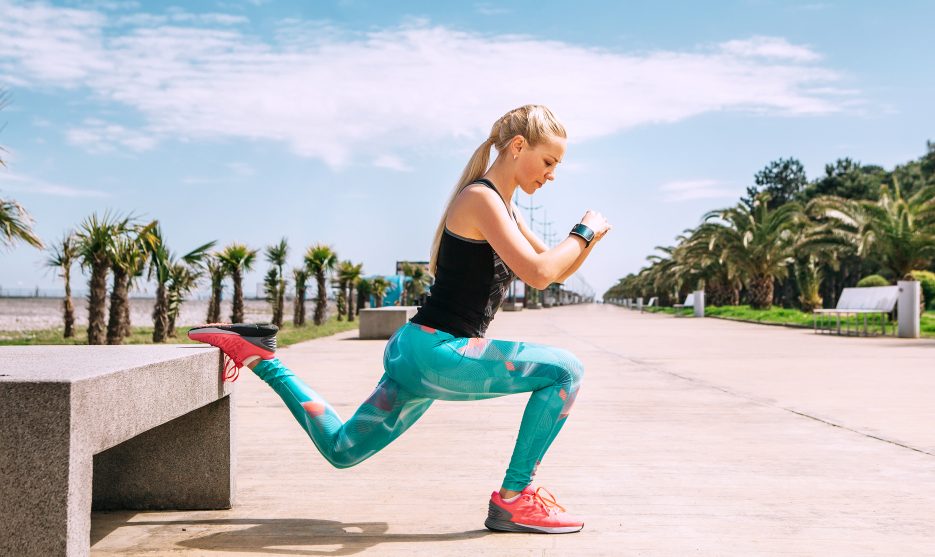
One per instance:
(423,365)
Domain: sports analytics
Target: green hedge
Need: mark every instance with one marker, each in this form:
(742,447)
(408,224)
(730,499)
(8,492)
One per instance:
(872,280)
(927,282)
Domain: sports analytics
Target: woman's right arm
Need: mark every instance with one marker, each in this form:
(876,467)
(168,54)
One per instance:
(493,222)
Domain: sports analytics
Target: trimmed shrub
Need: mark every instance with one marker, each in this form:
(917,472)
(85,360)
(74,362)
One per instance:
(872,280)
(927,282)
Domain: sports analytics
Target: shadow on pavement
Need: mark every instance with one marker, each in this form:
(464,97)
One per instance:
(278,536)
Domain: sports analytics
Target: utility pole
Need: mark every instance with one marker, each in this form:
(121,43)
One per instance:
(531,295)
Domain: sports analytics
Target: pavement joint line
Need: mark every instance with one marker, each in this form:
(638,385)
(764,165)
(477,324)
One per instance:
(653,367)
(890,441)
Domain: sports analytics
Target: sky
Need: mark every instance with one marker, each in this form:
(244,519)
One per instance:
(349,122)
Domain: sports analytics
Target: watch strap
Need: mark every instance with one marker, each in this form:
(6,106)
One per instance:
(584,232)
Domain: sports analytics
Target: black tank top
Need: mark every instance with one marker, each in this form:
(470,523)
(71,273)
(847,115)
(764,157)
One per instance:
(470,283)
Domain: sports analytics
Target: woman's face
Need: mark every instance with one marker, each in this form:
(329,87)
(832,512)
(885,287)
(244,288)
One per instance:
(536,165)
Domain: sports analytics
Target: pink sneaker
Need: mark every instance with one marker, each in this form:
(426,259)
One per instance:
(531,512)
(240,342)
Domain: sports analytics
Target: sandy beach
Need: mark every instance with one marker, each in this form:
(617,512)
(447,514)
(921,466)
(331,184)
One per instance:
(30,314)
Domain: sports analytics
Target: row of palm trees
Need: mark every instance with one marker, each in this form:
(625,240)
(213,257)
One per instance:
(749,249)
(126,250)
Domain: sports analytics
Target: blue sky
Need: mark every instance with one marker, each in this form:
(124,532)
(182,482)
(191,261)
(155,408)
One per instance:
(348,122)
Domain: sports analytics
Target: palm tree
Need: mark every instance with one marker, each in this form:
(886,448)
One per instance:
(61,256)
(418,281)
(340,297)
(808,277)
(757,241)
(183,278)
(300,274)
(378,288)
(128,259)
(897,232)
(320,260)
(364,290)
(348,275)
(276,254)
(161,262)
(16,225)
(237,259)
(702,265)
(217,272)
(96,245)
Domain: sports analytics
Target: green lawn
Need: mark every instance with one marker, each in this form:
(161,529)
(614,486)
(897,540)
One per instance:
(782,316)
(143,335)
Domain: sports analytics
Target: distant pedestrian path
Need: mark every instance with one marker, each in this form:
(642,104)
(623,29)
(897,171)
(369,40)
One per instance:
(688,437)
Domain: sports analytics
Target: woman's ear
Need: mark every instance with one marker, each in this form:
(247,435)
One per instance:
(517,144)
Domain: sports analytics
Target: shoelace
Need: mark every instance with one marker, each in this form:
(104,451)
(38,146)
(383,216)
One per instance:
(231,369)
(547,502)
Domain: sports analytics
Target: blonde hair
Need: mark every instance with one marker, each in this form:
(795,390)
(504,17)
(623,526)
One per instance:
(533,122)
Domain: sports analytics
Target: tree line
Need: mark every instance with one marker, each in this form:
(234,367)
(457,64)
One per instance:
(795,242)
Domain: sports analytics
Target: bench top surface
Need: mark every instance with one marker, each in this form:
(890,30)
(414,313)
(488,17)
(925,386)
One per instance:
(67,364)
(880,298)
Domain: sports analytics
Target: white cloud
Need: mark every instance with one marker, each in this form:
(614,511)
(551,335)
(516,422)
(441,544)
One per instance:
(687,190)
(334,93)
(97,136)
(392,162)
(769,47)
(25,184)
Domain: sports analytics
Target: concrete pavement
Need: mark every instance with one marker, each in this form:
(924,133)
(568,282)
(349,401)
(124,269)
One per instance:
(689,437)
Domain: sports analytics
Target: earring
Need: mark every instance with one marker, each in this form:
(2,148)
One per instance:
(514,157)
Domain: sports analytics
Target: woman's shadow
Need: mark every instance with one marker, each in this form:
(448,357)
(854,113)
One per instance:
(280,536)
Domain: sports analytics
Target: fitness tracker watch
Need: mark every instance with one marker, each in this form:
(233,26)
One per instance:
(584,233)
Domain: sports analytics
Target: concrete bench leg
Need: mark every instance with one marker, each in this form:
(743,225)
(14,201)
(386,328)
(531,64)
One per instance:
(186,463)
(46,483)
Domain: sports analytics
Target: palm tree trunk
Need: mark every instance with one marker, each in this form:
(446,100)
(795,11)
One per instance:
(160,314)
(298,315)
(68,307)
(350,303)
(761,291)
(171,325)
(125,323)
(118,304)
(361,300)
(342,303)
(321,300)
(379,301)
(97,302)
(237,313)
(280,303)
(214,306)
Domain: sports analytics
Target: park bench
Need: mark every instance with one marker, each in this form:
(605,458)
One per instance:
(689,303)
(381,323)
(857,303)
(652,303)
(87,428)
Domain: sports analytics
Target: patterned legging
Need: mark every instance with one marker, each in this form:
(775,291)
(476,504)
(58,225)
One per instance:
(423,365)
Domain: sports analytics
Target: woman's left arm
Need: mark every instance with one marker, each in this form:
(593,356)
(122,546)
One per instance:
(536,243)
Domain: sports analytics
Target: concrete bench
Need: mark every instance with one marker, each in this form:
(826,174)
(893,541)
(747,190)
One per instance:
(103,428)
(689,303)
(879,301)
(381,323)
(694,301)
(642,307)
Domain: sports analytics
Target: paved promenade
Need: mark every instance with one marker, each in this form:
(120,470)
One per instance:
(689,437)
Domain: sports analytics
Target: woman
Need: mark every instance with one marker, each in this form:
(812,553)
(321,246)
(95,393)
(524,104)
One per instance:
(441,354)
